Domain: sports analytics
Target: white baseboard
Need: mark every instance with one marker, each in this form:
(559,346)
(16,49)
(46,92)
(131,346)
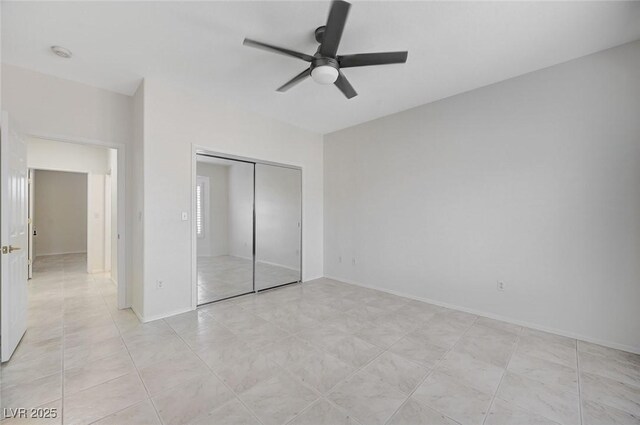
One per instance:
(309,279)
(145,319)
(623,347)
(138,315)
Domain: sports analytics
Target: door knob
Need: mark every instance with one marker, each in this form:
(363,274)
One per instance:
(9,249)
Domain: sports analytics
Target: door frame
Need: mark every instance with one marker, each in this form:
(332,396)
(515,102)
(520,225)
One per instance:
(203,150)
(123,286)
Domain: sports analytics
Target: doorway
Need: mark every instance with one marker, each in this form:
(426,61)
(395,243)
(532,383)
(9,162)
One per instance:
(247,226)
(58,217)
(76,208)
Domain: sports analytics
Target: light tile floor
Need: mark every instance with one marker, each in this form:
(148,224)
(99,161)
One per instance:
(317,353)
(226,276)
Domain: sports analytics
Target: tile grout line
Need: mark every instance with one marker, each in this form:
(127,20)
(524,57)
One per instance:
(132,362)
(60,399)
(335,406)
(236,395)
(296,378)
(64,279)
(504,373)
(322,396)
(62,345)
(358,369)
(284,369)
(384,350)
(433,369)
(538,381)
(579,385)
(349,376)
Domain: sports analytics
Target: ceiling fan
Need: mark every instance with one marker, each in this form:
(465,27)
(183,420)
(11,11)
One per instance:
(325,65)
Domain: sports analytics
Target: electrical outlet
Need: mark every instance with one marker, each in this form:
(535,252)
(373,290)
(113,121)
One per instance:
(500,286)
(340,259)
(353,261)
(159,284)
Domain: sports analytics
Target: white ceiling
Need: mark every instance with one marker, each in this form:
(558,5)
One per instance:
(453,47)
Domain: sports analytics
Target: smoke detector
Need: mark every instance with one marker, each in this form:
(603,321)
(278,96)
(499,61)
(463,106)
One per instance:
(61,51)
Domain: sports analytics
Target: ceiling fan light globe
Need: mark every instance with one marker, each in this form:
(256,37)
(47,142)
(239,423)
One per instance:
(324,74)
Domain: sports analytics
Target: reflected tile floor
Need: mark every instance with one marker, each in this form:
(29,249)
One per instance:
(226,276)
(322,352)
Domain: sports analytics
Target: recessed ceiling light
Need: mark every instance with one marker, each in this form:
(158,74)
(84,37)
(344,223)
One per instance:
(61,51)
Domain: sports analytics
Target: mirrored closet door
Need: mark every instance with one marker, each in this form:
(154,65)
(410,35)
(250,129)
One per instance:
(278,226)
(248,227)
(224,228)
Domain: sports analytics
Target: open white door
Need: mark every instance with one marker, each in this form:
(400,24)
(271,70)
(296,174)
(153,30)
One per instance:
(13,237)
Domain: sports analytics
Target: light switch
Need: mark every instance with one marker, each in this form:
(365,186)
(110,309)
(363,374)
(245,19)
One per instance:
(185,216)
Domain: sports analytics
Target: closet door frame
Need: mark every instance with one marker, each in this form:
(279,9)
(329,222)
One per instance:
(203,151)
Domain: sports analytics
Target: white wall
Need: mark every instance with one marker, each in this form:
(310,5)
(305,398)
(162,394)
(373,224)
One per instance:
(241,210)
(60,213)
(51,106)
(532,181)
(47,154)
(135,198)
(215,240)
(174,120)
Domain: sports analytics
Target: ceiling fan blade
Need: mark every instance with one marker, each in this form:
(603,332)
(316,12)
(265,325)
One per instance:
(367,59)
(345,87)
(276,49)
(295,80)
(335,26)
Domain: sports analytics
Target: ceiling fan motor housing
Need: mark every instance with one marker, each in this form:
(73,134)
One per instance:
(319,33)
(322,61)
